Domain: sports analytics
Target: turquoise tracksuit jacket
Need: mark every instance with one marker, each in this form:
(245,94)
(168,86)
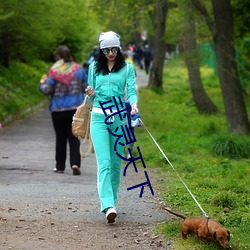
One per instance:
(109,164)
(113,84)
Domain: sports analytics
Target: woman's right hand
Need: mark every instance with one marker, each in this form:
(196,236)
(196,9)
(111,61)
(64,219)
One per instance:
(134,109)
(90,91)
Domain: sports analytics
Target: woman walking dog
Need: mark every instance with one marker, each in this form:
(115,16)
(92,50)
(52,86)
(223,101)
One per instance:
(108,78)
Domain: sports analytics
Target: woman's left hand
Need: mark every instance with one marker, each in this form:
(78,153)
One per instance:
(90,91)
(134,109)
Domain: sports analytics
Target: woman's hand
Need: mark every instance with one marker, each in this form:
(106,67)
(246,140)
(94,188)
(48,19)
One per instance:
(90,91)
(134,109)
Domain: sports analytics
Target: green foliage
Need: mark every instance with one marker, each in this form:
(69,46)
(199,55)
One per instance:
(175,25)
(175,28)
(243,59)
(241,17)
(19,87)
(224,200)
(29,33)
(219,183)
(128,18)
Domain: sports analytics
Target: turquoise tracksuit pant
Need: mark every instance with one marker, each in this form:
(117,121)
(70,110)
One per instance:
(108,163)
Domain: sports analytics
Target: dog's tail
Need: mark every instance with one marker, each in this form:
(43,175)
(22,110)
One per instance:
(175,213)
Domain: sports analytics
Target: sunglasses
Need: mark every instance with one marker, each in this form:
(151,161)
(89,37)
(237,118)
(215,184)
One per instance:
(106,51)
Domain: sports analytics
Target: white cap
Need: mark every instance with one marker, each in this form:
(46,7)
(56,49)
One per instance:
(109,39)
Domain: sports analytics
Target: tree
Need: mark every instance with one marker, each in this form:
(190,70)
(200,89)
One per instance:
(201,99)
(223,38)
(159,46)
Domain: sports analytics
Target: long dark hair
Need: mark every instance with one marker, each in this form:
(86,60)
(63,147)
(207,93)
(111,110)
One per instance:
(102,67)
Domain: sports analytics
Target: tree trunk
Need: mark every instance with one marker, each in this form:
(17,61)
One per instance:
(201,99)
(235,109)
(223,38)
(159,47)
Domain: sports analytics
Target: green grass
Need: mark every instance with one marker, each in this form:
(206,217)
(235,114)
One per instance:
(214,164)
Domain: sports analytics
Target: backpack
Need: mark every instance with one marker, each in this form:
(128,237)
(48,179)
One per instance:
(81,125)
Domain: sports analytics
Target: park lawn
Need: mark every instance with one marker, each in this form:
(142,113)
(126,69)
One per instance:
(219,182)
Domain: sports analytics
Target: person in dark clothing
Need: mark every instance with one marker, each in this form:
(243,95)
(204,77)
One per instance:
(93,55)
(139,56)
(147,54)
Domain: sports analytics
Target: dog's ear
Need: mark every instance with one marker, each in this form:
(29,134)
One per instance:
(228,237)
(214,235)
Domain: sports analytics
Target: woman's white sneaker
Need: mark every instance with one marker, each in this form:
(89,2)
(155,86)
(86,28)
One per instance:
(111,214)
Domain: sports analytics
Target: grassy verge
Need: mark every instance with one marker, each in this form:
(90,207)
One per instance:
(214,164)
(19,89)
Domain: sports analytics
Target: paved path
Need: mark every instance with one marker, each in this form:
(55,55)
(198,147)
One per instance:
(141,78)
(29,189)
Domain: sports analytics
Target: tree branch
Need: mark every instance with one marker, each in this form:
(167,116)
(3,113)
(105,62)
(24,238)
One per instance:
(202,9)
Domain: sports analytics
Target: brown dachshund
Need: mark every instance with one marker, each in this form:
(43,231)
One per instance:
(204,229)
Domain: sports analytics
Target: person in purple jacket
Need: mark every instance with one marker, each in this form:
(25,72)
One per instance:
(65,83)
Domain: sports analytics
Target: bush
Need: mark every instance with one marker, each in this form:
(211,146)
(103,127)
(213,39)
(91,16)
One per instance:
(231,146)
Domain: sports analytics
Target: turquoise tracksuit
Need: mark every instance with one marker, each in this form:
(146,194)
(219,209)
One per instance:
(108,163)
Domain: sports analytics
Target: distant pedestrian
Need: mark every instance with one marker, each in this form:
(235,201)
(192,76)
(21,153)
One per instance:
(108,77)
(93,55)
(65,84)
(138,55)
(147,54)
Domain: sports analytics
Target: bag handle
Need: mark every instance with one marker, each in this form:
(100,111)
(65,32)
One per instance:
(85,99)
(85,139)
(91,148)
